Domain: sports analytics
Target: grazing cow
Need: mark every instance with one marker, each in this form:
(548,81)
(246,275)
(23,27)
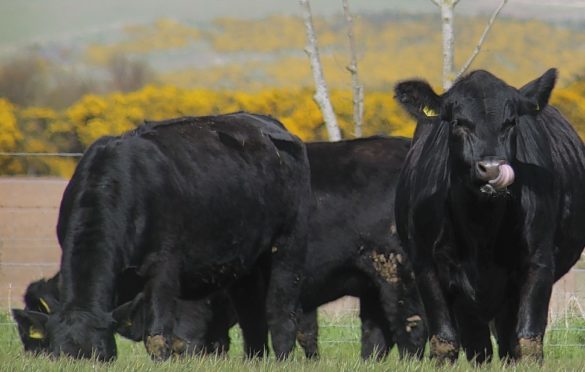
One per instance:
(201,325)
(490,208)
(353,248)
(196,204)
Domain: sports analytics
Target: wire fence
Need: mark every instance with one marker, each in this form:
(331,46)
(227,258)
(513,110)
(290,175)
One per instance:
(29,251)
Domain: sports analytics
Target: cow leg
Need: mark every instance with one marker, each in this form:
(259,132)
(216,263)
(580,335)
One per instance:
(475,337)
(444,343)
(533,311)
(248,298)
(505,322)
(307,334)
(282,301)
(398,298)
(376,335)
(160,297)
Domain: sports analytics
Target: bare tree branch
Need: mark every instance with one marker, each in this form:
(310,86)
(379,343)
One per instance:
(482,39)
(321,96)
(357,87)
(436,2)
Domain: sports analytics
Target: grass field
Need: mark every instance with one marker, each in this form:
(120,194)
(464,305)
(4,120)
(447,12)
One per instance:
(339,345)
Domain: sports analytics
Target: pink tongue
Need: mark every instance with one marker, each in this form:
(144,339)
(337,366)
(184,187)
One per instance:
(504,179)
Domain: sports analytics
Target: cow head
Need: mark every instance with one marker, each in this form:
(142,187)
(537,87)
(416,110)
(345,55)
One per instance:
(76,334)
(483,114)
(81,334)
(32,330)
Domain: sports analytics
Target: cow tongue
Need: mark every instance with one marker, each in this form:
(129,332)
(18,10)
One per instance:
(504,179)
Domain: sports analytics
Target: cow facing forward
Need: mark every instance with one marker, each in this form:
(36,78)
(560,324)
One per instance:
(196,204)
(491,209)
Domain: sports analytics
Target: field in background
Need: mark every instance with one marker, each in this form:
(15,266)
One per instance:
(29,251)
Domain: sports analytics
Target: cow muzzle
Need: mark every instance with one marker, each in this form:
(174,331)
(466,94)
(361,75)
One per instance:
(497,174)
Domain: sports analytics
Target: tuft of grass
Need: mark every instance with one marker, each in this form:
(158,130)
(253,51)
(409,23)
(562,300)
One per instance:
(339,343)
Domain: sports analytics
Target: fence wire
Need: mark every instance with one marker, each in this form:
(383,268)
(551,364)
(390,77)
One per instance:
(18,239)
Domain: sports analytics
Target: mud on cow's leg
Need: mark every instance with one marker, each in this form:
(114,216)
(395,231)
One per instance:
(399,299)
(444,343)
(307,334)
(533,308)
(161,293)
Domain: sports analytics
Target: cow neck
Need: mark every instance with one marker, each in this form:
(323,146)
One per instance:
(473,216)
(88,280)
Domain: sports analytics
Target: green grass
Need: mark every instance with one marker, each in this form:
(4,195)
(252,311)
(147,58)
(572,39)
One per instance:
(339,346)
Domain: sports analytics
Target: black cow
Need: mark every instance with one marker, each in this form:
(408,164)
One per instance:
(197,204)
(491,210)
(353,248)
(201,326)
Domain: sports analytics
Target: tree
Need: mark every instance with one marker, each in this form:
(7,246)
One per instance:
(447,14)
(127,74)
(321,92)
(357,87)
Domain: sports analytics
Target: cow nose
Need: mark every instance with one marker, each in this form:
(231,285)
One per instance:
(488,170)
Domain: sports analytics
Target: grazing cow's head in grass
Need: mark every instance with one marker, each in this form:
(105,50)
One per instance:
(482,114)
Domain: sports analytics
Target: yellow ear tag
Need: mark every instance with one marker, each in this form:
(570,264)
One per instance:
(35,333)
(429,112)
(537,107)
(45,305)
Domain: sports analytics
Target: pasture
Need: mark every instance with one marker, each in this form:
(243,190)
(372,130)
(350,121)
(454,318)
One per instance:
(338,341)
(29,251)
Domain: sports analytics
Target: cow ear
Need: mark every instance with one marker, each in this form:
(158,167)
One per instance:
(31,324)
(45,305)
(418,98)
(539,90)
(129,320)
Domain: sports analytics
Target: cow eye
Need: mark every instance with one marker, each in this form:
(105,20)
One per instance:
(509,124)
(462,124)
(460,127)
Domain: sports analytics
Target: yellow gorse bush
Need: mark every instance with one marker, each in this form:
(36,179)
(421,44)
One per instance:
(38,129)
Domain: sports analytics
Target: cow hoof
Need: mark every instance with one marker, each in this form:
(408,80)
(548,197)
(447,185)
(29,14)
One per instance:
(443,351)
(178,346)
(157,347)
(530,349)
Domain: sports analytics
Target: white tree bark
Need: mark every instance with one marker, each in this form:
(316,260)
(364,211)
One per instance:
(321,96)
(448,31)
(357,87)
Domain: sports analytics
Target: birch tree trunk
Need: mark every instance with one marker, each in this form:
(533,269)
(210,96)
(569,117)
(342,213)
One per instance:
(357,87)
(448,31)
(321,96)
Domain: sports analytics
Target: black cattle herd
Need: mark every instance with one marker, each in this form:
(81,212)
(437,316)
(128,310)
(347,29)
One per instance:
(174,232)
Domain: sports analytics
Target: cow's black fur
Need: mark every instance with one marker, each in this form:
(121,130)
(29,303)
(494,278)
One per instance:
(201,326)
(353,247)
(197,204)
(351,229)
(481,254)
